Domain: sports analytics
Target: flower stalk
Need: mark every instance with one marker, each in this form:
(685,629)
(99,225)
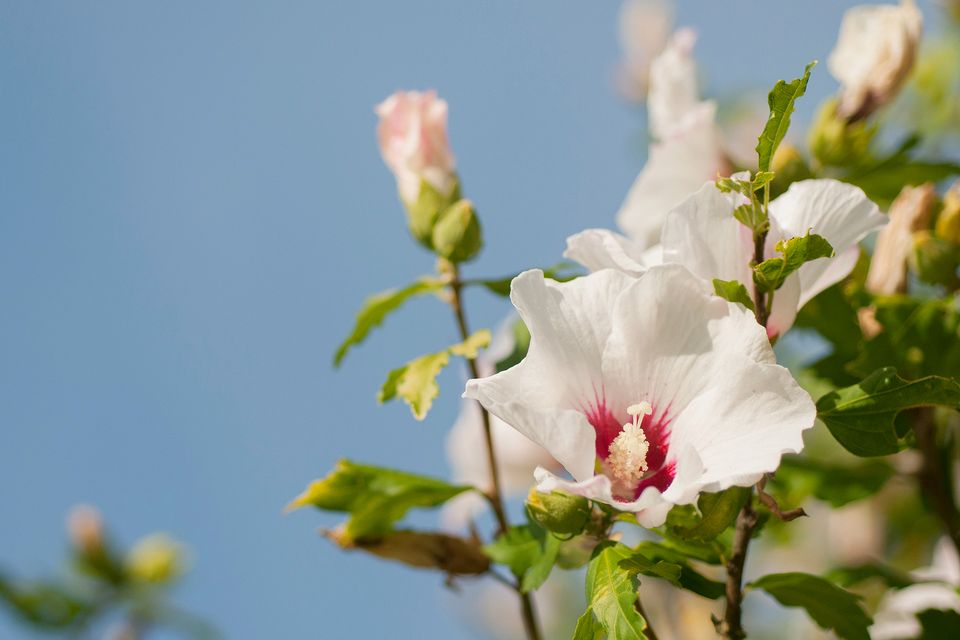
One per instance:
(494,495)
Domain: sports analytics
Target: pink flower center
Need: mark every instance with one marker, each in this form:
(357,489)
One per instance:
(617,449)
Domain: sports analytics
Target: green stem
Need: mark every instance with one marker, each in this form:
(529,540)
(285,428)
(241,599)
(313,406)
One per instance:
(495,495)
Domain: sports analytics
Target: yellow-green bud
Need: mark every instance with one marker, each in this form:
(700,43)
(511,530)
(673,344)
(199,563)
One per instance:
(456,235)
(156,559)
(559,512)
(789,167)
(934,259)
(948,221)
(834,141)
(424,212)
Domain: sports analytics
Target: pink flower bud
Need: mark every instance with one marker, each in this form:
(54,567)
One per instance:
(85,528)
(413,142)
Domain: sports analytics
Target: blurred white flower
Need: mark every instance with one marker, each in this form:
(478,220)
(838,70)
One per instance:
(647,390)
(413,142)
(687,150)
(517,456)
(644,27)
(896,615)
(874,54)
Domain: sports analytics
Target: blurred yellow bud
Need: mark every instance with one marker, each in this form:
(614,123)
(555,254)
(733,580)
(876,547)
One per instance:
(85,529)
(158,558)
(948,221)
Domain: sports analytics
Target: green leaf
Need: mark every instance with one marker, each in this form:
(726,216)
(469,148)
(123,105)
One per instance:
(588,628)
(612,594)
(561,272)
(781,100)
(44,604)
(416,381)
(518,548)
(470,347)
(717,512)
(753,216)
(378,307)
(849,576)
(827,604)
(883,181)
(919,338)
(733,291)
(833,315)
(689,579)
(861,417)
(939,624)
(374,497)
(540,570)
(770,274)
(799,477)
(641,564)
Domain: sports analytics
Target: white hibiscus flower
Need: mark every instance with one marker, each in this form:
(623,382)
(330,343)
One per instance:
(702,235)
(647,390)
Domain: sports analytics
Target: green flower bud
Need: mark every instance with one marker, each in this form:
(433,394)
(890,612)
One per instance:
(948,221)
(935,259)
(789,167)
(559,512)
(424,212)
(157,559)
(836,142)
(456,235)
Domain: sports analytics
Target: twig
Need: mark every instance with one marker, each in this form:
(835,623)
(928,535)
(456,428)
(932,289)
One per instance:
(932,476)
(746,523)
(495,495)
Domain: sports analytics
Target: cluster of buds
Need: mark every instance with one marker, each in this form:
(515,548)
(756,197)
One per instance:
(156,559)
(414,144)
(872,60)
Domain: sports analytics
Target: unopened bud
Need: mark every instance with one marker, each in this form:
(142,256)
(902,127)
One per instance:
(836,142)
(157,559)
(457,235)
(789,167)
(559,512)
(948,221)
(910,212)
(934,259)
(85,529)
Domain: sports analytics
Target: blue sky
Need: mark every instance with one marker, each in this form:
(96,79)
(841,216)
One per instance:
(192,208)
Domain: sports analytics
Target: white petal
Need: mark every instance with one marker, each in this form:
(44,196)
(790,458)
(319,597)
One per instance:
(517,457)
(599,249)
(702,235)
(840,212)
(543,396)
(676,167)
(741,426)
